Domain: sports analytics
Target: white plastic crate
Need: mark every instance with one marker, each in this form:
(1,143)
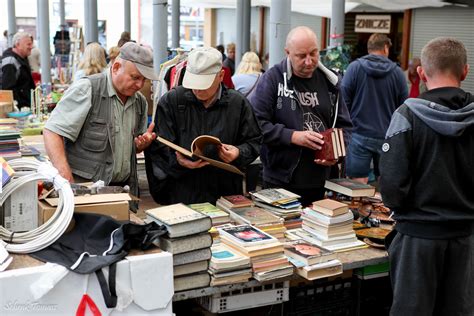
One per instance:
(268,294)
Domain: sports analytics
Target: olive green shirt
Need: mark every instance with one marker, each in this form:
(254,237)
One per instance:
(69,115)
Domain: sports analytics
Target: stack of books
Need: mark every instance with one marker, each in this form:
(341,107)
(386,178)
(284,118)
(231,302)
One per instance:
(281,203)
(311,261)
(188,240)
(218,216)
(328,224)
(265,252)
(233,201)
(259,218)
(228,266)
(333,147)
(9,139)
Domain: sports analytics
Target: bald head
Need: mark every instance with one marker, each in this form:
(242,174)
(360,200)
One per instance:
(300,33)
(302,50)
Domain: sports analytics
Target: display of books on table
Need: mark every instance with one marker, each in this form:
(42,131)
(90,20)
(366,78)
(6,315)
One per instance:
(218,216)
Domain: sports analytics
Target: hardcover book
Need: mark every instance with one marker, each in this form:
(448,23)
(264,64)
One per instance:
(186,243)
(349,187)
(275,196)
(190,268)
(307,253)
(329,150)
(192,256)
(198,149)
(235,201)
(253,216)
(321,270)
(191,281)
(330,207)
(217,215)
(180,220)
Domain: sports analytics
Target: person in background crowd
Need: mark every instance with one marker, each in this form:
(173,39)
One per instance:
(294,102)
(34,58)
(4,42)
(229,62)
(92,62)
(202,105)
(125,37)
(221,49)
(427,180)
(373,87)
(100,123)
(16,71)
(416,86)
(114,51)
(247,74)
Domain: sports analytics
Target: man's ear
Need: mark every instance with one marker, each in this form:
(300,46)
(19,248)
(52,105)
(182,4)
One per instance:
(421,73)
(287,51)
(116,66)
(465,72)
(221,75)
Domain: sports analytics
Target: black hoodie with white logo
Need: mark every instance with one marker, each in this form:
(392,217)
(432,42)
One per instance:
(427,165)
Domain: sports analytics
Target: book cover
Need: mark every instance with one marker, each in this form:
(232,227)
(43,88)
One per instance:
(328,150)
(275,196)
(246,235)
(224,257)
(321,270)
(235,201)
(180,220)
(197,149)
(209,210)
(253,216)
(307,252)
(186,243)
(350,187)
(330,207)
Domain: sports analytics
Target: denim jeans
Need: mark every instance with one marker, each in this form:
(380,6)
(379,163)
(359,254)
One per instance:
(361,152)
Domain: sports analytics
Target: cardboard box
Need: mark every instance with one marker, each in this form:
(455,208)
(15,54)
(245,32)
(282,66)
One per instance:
(144,285)
(113,205)
(19,210)
(6,102)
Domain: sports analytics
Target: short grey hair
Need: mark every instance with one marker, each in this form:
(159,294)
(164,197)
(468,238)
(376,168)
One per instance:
(444,55)
(19,36)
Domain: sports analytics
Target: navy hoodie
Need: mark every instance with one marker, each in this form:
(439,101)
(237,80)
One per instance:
(279,114)
(427,165)
(373,87)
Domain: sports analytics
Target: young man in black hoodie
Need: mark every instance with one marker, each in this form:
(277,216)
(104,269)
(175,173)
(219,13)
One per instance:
(426,180)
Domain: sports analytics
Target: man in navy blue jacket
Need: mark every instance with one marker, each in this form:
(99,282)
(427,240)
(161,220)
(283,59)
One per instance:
(294,102)
(373,87)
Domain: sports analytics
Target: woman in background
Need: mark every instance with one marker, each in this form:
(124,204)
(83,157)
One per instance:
(247,74)
(93,61)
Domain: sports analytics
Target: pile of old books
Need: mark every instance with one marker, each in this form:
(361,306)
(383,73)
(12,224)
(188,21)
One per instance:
(259,218)
(265,252)
(218,216)
(333,147)
(9,139)
(328,224)
(312,262)
(281,203)
(228,266)
(188,240)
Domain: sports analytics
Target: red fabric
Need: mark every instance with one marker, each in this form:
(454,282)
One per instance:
(87,301)
(415,86)
(36,77)
(228,78)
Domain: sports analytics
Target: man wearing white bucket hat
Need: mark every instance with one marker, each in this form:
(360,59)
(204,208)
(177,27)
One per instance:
(203,105)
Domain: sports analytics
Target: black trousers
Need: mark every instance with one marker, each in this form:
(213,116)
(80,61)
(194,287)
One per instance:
(432,277)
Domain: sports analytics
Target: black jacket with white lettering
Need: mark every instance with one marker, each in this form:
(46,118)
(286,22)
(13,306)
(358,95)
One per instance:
(272,103)
(427,165)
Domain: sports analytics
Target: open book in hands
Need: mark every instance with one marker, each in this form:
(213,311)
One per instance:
(197,151)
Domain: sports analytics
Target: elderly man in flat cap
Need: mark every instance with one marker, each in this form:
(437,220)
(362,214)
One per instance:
(203,105)
(100,123)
